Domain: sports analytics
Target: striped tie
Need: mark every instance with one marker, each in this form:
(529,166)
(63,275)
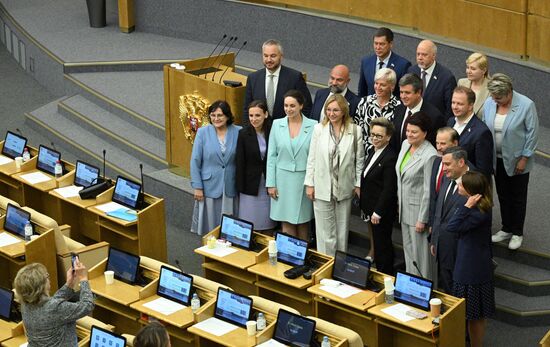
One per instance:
(270,97)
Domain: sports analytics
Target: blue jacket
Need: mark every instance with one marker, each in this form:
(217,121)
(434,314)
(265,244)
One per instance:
(521,131)
(368,69)
(440,88)
(210,170)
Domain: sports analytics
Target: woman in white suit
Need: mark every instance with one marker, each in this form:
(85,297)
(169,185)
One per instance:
(413,168)
(333,174)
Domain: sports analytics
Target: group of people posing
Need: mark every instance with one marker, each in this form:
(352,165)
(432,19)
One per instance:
(414,146)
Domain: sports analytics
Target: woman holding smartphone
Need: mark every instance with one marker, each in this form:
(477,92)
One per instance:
(473,272)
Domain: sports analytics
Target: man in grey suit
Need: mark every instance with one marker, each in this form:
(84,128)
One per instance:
(443,244)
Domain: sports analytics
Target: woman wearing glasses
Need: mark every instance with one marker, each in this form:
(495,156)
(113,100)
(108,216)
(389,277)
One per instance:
(213,169)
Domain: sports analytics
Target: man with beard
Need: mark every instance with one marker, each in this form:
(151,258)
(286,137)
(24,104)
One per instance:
(337,84)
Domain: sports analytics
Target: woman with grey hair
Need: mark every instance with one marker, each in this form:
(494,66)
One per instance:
(51,321)
(380,104)
(513,121)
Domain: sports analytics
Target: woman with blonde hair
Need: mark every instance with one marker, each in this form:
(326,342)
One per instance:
(333,174)
(51,321)
(477,76)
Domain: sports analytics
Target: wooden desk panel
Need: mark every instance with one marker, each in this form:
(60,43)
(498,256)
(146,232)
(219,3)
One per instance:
(180,319)
(240,259)
(118,292)
(361,301)
(276,273)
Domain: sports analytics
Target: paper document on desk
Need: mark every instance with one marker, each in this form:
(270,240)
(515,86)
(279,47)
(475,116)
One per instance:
(218,251)
(5,160)
(6,239)
(343,291)
(271,343)
(110,207)
(24,344)
(164,306)
(35,177)
(215,326)
(69,191)
(398,311)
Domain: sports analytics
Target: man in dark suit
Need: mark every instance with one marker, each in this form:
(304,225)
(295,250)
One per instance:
(383,57)
(379,193)
(439,82)
(271,84)
(443,244)
(410,91)
(337,84)
(475,136)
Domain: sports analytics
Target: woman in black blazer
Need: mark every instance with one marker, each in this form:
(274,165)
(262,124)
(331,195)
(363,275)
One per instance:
(473,272)
(254,203)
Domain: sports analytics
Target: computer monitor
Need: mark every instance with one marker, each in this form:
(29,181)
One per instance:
(14,145)
(291,250)
(47,158)
(237,231)
(232,307)
(294,330)
(175,285)
(85,174)
(351,269)
(413,290)
(124,265)
(6,302)
(104,338)
(16,219)
(126,192)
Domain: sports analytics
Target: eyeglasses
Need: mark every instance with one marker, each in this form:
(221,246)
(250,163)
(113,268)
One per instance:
(214,115)
(376,136)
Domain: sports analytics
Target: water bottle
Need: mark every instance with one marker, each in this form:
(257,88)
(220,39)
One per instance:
(28,231)
(272,258)
(195,303)
(26,155)
(58,169)
(389,296)
(326,342)
(260,322)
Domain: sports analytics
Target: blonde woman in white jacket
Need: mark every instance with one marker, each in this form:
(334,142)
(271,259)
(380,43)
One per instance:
(333,174)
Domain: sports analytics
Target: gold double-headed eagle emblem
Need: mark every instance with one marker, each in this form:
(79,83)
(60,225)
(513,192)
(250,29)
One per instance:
(193,114)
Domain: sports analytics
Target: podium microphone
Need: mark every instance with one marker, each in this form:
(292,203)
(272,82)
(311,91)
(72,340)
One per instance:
(219,54)
(236,54)
(212,53)
(221,59)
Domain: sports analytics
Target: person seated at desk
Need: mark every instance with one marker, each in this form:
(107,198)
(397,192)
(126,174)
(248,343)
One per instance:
(51,321)
(152,335)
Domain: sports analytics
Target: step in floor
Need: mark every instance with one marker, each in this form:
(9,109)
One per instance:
(116,129)
(47,119)
(522,310)
(522,279)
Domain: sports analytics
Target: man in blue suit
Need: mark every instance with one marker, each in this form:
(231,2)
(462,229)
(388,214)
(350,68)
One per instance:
(337,84)
(271,84)
(474,135)
(439,82)
(383,57)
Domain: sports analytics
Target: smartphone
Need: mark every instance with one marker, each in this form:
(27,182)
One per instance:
(74,257)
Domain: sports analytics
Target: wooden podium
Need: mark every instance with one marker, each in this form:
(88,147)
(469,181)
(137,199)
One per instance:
(187,95)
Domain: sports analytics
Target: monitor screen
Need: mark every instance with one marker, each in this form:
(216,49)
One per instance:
(236,231)
(175,285)
(291,250)
(104,338)
(232,307)
(47,158)
(351,269)
(126,192)
(14,145)
(85,174)
(6,300)
(124,265)
(294,330)
(15,221)
(413,290)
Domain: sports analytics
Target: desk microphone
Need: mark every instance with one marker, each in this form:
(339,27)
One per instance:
(179,266)
(19,132)
(210,55)
(217,56)
(418,269)
(228,46)
(236,54)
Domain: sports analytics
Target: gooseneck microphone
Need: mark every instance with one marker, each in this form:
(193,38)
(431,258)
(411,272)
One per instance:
(205,63)
(236,54)
(417,268)
(220,55)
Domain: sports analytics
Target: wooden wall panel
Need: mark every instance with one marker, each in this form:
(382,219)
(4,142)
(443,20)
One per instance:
(399,12)
(538,38)
(539,7)
(512,5)
(340,7)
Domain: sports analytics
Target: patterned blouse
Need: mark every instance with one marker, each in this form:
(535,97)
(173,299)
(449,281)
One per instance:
(369,109)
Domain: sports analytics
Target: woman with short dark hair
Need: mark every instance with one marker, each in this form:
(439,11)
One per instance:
(152,335)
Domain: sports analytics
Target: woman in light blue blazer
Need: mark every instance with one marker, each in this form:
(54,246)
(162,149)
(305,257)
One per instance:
(286,167)
(413,168)
(213,169)
(513,121)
